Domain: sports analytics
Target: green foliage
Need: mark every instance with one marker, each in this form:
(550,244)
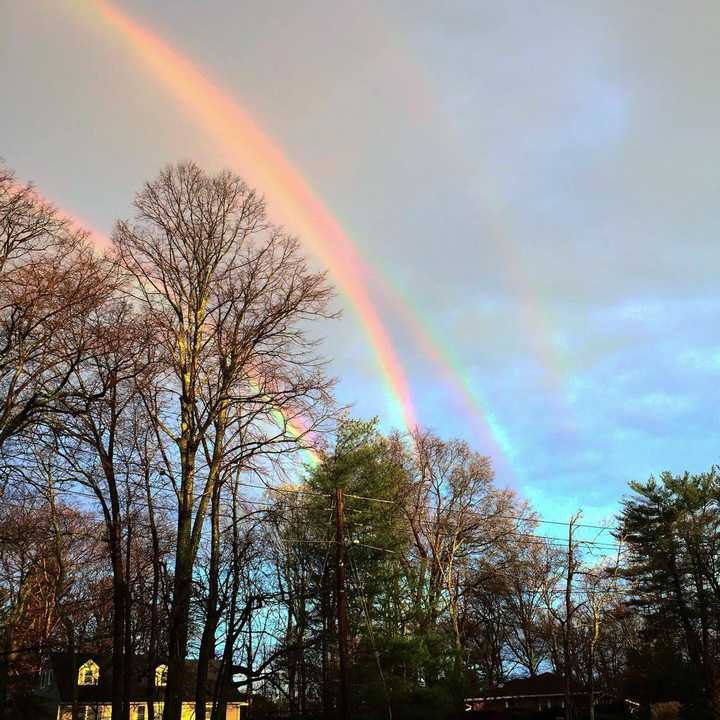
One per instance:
(414,509)
(671,525)
(363,465)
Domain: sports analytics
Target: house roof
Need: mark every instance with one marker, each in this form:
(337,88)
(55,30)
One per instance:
(65,675)
(544,684)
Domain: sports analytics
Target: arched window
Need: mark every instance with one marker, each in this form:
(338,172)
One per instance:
(161,676)
(89,673)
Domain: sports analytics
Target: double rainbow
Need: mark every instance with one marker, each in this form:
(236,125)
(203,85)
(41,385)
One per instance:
(294,203)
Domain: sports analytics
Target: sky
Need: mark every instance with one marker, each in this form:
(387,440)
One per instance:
(516,200)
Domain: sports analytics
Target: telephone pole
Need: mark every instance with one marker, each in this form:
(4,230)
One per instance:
(342,618)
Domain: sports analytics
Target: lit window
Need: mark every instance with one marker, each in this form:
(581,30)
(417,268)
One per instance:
(161,675)
(89,673)
(90,712)
(140,712)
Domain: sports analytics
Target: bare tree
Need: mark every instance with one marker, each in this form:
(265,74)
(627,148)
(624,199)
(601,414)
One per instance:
(227,295)
(526,579)
(50,280)
(600,588)
(160,537)
(94,439)
(48,556)
(561,585)
(456,516)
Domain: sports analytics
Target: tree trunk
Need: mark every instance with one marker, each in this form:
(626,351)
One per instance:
(118,625)
(326,633)
(6,659)
(128,637)
(153,639)
(179,615)
(592,679)
(341,600)
(207,642)
(73,669)
(567,625)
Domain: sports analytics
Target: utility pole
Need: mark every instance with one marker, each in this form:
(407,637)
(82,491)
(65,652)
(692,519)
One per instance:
(341,594)
(570,609)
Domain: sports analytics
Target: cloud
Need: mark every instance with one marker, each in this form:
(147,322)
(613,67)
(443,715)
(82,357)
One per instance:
(540,183)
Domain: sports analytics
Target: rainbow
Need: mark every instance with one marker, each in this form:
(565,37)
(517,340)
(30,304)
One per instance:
(476,407)
(265,165)
(297,428)
(100,240)
(295,424)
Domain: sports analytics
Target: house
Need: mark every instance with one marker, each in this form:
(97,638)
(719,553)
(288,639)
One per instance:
(538,693)
(89,680)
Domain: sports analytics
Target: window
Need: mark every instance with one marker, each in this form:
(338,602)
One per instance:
(89,673)
(89,712)
(161,675)
(46,678)
(140,712)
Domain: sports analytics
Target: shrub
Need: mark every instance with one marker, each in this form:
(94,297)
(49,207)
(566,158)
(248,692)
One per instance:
(665,711)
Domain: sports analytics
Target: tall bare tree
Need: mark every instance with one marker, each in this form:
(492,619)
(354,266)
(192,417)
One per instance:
(50,280)
(561,585)
(94,440)
(228,296)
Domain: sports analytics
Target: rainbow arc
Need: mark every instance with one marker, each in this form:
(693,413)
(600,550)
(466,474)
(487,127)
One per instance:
(294,204)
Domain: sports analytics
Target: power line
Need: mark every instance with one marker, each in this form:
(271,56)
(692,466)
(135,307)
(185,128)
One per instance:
(301,491)
(558,542)
(530,519)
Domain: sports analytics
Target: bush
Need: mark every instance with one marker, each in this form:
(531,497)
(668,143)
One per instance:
(665,711)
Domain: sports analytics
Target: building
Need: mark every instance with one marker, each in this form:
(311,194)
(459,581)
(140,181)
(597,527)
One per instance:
(538,693)
(89,680)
